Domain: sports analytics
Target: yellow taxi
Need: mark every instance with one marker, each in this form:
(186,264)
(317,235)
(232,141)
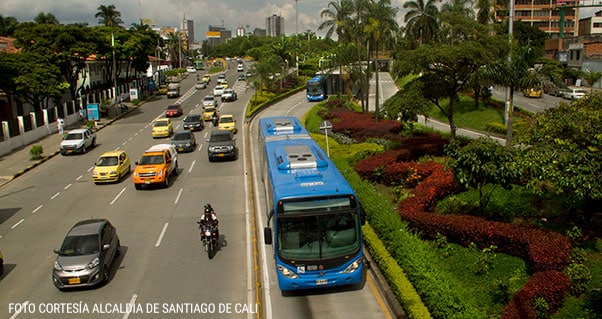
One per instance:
(532,92)
(206,78)
(227,122)
(111,167)
(208,112)
(162,128)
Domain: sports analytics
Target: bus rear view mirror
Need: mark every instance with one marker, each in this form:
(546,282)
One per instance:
(267,235)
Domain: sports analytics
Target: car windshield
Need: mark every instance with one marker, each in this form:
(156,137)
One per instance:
(209,109)
(74,136)
(192,119)
(173,107)
(181,137)
(161,123)
(107,161)
(208,98)
(80,245)
(220,138)
(226,120)
(151,159)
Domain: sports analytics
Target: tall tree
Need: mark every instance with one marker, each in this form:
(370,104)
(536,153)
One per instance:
(108,16)
(45,18)
(564,154)
(338,19)
(8,25)
(446,68)
(484,13)
(381,28)
(516,73)
(463,7)
(175,46)
(591,77)
(421,20)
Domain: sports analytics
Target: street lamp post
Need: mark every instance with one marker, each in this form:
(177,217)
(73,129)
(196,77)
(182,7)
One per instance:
(116,89)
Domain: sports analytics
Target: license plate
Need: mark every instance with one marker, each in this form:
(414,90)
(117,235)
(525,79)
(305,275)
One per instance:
(320,282)
(103,177)
(69,151)
(146,182)
(74,281)
(220,155)
(180,148)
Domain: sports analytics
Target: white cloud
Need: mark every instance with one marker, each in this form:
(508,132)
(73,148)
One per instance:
(229,13)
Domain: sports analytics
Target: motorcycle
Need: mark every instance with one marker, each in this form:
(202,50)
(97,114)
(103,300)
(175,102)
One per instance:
(209,238)
(215,121)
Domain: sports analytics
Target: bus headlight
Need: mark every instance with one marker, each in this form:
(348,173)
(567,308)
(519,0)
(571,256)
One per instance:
(287,273)
(353,267)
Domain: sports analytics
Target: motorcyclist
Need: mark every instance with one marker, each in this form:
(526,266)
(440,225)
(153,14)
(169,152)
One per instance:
(208,217)
(215,120)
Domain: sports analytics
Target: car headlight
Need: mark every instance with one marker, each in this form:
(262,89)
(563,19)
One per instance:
(57,266)
(136,174)
(353,267)
(287,273)
(95,262)
(94,174)
(113,172)
(160,173)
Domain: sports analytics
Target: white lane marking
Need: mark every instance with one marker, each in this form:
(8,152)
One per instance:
(132,302)
(200,147)
(124,143)
(191,166)
(158,243)
(17,224)
(24,304)
(37,209)
(69,185)
(117,197)
(178,197)
(136,134)
(91,168)
(131,137)
(55,195)
(79,177)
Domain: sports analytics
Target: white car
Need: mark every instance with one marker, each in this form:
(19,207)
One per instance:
(573,93)
(191,69)
(209,100)
(218,90)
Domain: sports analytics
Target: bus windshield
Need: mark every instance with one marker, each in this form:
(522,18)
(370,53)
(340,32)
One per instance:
(311,237)
(315,88)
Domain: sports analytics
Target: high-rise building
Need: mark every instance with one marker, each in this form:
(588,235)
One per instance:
(189,28)
(274,26)
(544,15)
(217,34)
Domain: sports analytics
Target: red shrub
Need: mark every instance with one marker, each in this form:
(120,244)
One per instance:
(550,285)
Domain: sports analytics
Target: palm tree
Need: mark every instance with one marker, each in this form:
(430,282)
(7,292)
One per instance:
(421,20)
(47,18)
(108,16)
(591,77)
(484,13)
(381,27)
(515,73)
(338,15)
(7,25)
(174,48)
(463,7)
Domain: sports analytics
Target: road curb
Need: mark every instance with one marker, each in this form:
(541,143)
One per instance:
(383,287)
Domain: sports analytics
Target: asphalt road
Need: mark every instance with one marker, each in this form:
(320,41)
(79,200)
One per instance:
(163,264)
(164,271)
(334,303)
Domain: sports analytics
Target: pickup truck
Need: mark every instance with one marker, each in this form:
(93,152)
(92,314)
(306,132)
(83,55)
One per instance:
(155,166)
(173,90)
(78,141)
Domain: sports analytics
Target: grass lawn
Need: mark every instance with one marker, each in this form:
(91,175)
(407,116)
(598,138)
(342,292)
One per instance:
(467,116)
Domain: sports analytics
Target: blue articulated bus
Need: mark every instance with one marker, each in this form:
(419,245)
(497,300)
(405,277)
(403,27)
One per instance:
(316,88)
(314,214)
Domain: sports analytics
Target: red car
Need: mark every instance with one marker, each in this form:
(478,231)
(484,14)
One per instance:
(173,110)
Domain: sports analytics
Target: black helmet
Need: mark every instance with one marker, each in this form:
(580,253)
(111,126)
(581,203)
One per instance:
(208,208)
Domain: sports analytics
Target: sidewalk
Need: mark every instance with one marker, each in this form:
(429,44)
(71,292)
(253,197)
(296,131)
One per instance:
(18,162)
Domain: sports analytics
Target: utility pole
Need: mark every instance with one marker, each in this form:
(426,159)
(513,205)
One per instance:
(116,89)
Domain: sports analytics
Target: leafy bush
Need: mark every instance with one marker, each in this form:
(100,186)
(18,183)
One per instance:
(579,276)
(135,101)
(36,152)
